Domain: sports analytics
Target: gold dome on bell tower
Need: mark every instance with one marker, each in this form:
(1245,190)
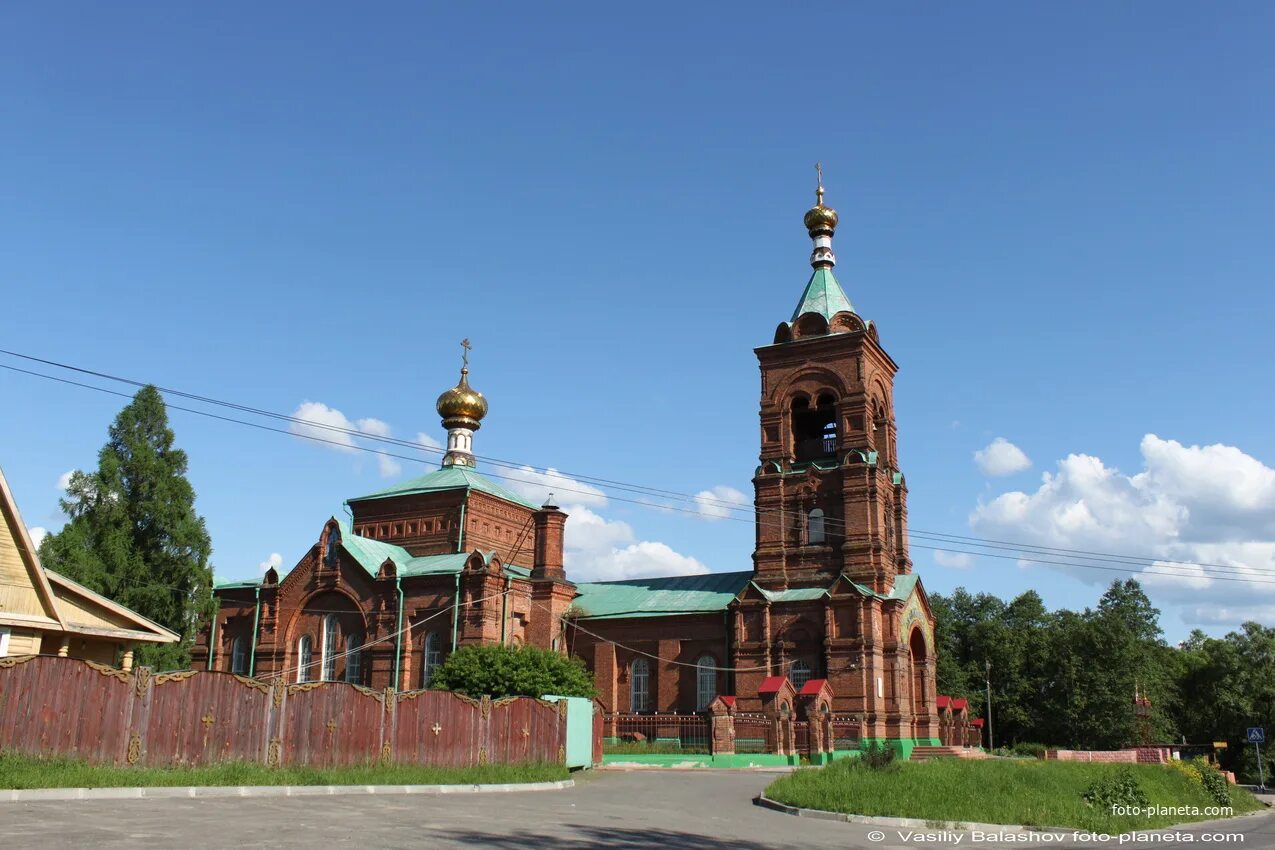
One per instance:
(820,219)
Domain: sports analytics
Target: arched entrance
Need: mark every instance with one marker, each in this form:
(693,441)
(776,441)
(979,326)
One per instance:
(919,656)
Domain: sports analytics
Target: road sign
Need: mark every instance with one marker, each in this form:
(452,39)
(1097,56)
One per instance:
(1219,745)
(1256,735)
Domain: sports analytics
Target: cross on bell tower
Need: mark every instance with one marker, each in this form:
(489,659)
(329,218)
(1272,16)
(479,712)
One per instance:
(830,498)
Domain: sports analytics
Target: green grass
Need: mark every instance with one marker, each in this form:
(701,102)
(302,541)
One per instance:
(18,771)
(1034,793)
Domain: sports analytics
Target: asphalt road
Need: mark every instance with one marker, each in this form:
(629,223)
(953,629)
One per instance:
(639,810)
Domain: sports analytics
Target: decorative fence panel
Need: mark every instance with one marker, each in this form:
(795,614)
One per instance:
(202,718)
(755,733)
(65,706)
(687,732)
(436,727)
(68,707)
(330,724)
(527,730)
(845,732)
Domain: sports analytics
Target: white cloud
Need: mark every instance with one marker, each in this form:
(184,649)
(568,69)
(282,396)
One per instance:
(64,480)
(332,426)
(599,549)
(1001,457)
(428,441)
(1211,505)
(388,466)
(956,560)
(721,502)
(37,533)
(637,560)
(275,560)
(536,485)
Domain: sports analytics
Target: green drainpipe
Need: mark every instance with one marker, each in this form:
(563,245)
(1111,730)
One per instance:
(504,609)
(256,618)
(460,540)
(212,632)
(455,610)
(398,642)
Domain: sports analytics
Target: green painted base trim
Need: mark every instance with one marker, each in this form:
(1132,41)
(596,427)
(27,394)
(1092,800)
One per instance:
(902,747)
(702,760)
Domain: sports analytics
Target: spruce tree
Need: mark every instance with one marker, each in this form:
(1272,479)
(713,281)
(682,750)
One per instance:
(133,534)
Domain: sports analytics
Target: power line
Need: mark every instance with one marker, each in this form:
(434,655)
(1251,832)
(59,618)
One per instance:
(1153,566)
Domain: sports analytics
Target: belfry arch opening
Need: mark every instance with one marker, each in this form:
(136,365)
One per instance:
(814,427)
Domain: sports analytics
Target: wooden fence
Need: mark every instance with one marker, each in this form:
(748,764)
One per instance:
(68,707)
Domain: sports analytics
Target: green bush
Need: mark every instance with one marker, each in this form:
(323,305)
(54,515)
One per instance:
(1025,748)
(877,757)
(1120,788)
(1214,782)
(508,671)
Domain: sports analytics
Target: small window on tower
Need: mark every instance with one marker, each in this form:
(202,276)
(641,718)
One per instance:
(814,527)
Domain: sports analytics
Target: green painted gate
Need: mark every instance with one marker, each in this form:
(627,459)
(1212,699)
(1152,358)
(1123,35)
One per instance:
(579,730)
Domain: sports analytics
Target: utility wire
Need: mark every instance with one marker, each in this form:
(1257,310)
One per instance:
(1152,566)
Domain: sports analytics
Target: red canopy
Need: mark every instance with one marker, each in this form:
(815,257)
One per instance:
(813,687)
(772,684)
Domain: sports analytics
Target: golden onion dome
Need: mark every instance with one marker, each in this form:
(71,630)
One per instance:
(462,403)
(820,218)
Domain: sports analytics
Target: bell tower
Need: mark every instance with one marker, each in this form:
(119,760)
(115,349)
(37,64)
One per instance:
(830,498)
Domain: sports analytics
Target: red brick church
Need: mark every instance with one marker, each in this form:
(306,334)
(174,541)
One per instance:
(453,558)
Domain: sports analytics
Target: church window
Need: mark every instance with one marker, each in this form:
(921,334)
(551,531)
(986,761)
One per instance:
(814,527)
(329,647)
(639,686)
(814,429)
(334,540)
(238,658)
(705,682)
(305,657)
(353,659)
(433,658)
(799,674)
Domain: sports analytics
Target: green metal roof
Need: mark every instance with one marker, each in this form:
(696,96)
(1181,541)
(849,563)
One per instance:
(903,586)
(794,594)
(823,295)
(372,553)
(449,478)
(227,584)
(653,597)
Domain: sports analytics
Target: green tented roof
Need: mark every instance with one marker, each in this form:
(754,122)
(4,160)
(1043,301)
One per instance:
(449,478)
(823,295)
(651,597)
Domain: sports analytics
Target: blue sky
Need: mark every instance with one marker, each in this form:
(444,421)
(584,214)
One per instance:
(1059,220)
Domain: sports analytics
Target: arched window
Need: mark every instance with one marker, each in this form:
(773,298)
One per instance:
(705,682)
(433,657)
(329,647)
(238,657)
(814,526)
(639,686)
(799,674)
(330,549)
(353,659)
(305,657)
